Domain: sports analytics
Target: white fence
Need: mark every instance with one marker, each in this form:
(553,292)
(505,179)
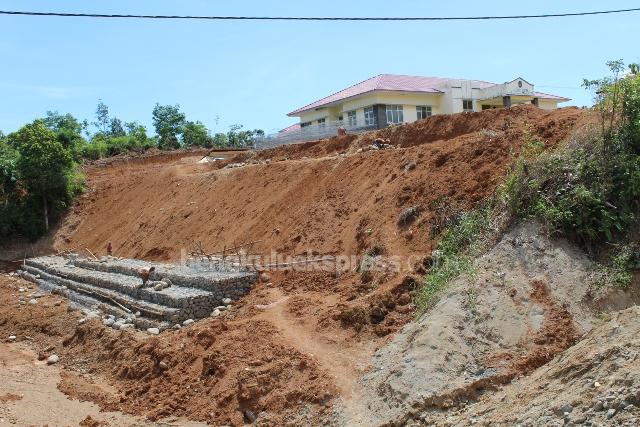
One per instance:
(310,133)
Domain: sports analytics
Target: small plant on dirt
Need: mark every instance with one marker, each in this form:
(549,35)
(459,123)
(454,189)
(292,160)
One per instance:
(621,263)
(471,298)
(469,237)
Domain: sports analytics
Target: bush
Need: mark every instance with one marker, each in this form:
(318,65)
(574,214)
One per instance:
(587,190)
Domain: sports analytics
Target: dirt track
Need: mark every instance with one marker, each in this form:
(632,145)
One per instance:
(299,341)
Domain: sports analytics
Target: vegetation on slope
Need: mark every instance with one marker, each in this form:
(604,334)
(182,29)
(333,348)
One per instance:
(39,173)
(587,190)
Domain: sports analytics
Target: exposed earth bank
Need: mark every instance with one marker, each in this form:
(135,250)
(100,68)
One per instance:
(340,347)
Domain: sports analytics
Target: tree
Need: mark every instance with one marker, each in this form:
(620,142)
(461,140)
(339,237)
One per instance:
(115,128)
(242,138)
(169,122)
(8,170)
(196,134)
(68,131)
(102,117)
(45,166)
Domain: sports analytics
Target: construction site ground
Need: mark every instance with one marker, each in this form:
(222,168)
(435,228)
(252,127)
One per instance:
(307,347)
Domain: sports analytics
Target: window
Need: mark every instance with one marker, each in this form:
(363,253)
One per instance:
(351,118)
(467,105)
(369,116)
(321,122)
(395,114)
(423,111)
(305,124)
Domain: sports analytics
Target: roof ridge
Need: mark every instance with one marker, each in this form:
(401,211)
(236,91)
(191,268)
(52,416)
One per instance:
(335,93)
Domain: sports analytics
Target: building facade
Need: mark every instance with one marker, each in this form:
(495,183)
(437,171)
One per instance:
(392,99)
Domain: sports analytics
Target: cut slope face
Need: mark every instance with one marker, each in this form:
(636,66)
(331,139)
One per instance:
(595,382)
(315,201)
(527,302)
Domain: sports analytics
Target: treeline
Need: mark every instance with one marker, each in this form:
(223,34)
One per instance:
(39,163)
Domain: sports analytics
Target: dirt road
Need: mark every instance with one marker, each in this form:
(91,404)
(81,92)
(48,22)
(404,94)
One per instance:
(29,396)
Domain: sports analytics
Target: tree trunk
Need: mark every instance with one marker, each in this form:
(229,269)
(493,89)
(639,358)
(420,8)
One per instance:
(46,213)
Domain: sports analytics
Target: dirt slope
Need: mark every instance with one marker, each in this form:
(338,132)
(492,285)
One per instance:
(317,200)
(299,342)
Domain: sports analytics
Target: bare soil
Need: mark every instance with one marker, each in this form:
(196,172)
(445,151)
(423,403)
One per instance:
(295,348)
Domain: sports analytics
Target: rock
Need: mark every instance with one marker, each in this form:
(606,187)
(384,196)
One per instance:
(21,290)
(598,406)
(138,314)
(409,166)
(82,321)
(117,325)
(565,409)
(126,326)
(187,322)
(108,322)
(57,303)
(222,307)
(33,301)
(167,281)
(12,338)
(250,415)
(610,413)
(53,359)
(265,277)
(227,301)
(215,313)
(163,365)
(153,331)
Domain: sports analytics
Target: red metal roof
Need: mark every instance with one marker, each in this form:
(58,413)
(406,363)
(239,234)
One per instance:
(393,82)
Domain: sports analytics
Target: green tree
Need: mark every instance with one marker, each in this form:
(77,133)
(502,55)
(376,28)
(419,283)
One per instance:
(169,122)
(196,134)
(220,140)
(242,138)
(46,168)
(102,117)
(68,131)
(8,170)
(115,128)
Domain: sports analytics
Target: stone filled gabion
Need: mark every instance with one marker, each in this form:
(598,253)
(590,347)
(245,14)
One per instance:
(114,283)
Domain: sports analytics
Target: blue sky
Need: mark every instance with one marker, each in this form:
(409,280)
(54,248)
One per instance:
(254,73)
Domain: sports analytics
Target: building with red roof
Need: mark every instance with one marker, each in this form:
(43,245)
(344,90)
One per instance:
(392,99)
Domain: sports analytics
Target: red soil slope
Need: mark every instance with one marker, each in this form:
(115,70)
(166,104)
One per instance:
(299,339)
(316,200)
